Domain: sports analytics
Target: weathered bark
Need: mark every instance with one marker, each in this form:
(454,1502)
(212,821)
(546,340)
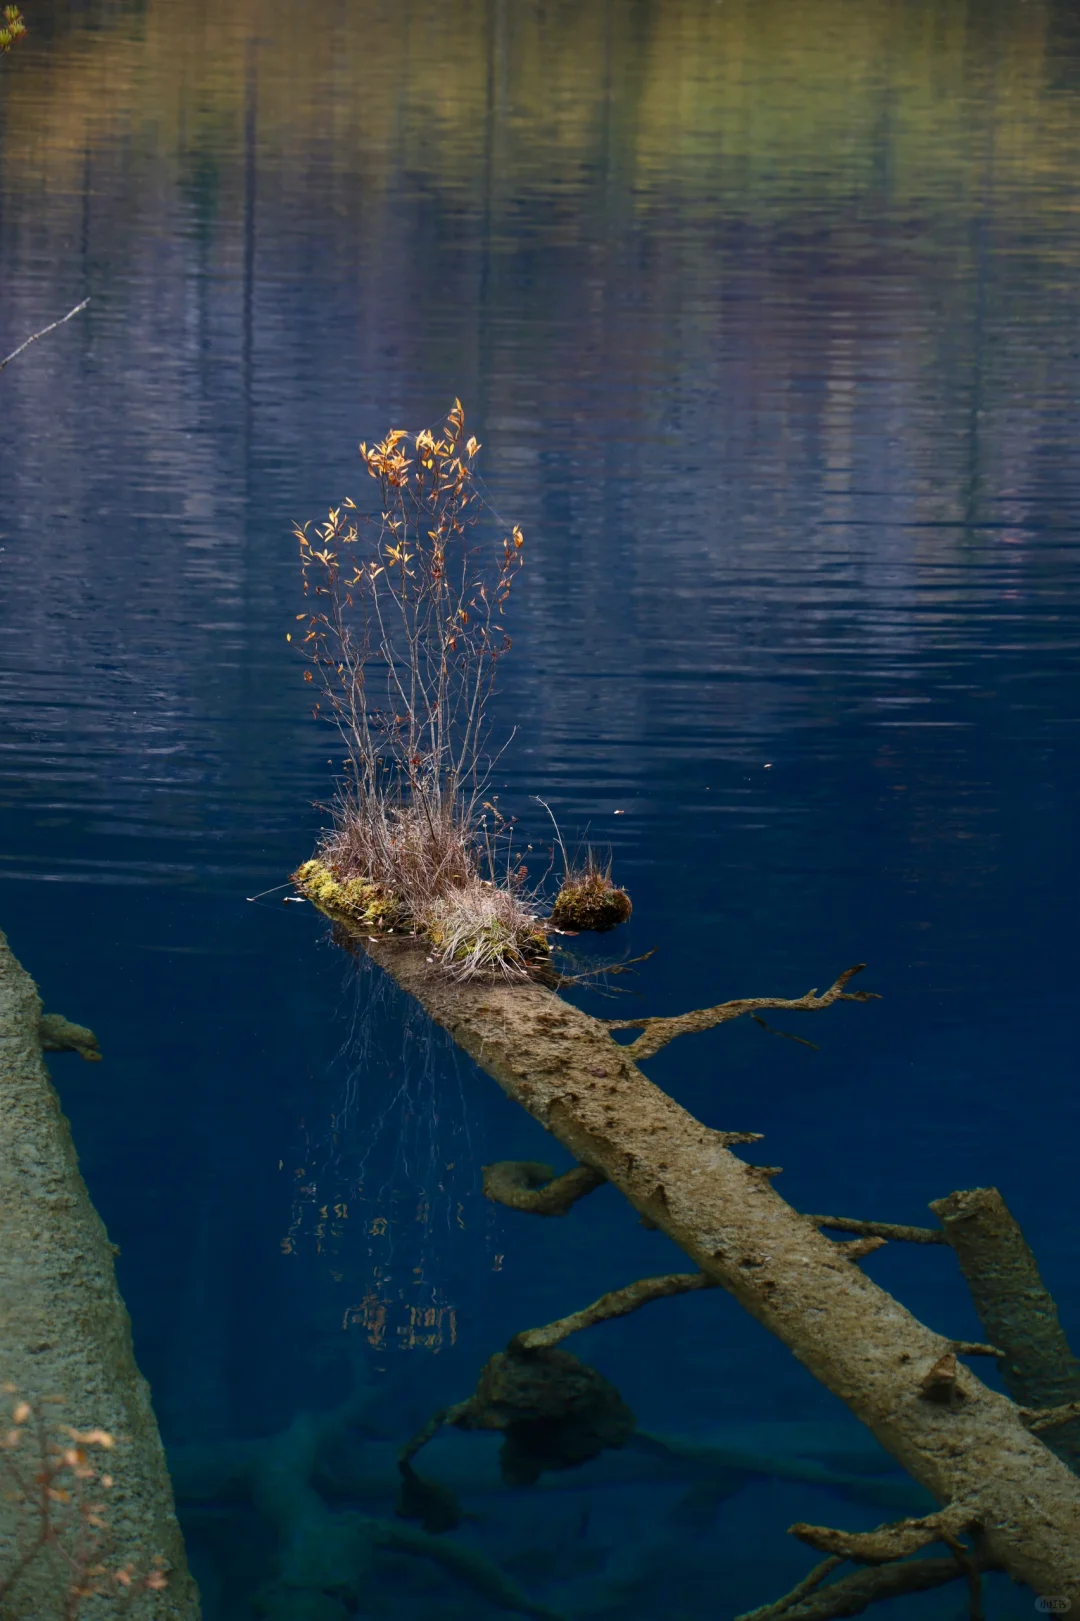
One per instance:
(1015,1307)
(571,1075)
(64,1330)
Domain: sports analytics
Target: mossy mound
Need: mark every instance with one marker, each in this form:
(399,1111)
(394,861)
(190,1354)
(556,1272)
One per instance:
(555,1412)
(590,902)
(354,898)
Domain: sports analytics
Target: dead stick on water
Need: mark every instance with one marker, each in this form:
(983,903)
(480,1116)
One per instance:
(34,336)
(569,1073)
(657,1032)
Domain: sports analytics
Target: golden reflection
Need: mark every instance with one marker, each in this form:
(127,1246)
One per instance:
(765,98)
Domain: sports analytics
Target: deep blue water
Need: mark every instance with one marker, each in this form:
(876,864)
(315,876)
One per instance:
(768,318)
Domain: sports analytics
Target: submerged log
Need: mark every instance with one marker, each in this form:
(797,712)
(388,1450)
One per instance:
(65,1339)
(973,1451)
(1015,1307)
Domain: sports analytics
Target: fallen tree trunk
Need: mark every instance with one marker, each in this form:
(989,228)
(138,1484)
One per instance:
(65,1337)
(966,1444)
(1015,1307)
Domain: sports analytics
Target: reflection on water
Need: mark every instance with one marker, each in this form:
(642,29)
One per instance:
(767,316)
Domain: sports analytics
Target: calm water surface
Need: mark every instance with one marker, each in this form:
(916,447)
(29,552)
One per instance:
(768,317)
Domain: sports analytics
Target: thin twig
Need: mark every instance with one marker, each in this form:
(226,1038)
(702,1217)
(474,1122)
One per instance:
(881,1229)
(34,336)
(1048,1418)
(657,1032)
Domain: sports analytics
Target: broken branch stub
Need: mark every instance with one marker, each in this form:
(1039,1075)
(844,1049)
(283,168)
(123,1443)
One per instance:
(895,1541)
(861,1343)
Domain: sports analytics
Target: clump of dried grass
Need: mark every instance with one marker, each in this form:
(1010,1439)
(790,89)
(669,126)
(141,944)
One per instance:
(411,850)
(480,929)
(588,899)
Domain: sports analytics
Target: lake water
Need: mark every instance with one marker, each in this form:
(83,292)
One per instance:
(768,317)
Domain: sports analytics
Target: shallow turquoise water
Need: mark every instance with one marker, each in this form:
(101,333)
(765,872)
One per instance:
(768,320)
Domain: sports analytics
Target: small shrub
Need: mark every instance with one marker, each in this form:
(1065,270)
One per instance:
(588,899)
(404,637)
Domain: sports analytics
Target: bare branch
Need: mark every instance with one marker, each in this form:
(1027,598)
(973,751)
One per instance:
(657,1032)
(887,1542)
(1048,1418)
(873,1585)
(564,1068)
(881,1229)
(801,1590)
(619,1303)
(34,336)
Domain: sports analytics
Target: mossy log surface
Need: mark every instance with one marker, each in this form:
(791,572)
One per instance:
(65,1332)
(862,1344)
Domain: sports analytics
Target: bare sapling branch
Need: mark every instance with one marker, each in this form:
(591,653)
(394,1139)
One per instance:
(404,634)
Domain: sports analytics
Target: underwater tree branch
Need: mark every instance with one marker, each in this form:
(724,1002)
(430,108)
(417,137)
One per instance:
(564,1068)
(1048,1418)
(881,1229)
(532,1186)
(896,1540)
(813,1579)
(59,1035)
(617,1303)
(853,1594)
(658,1031)
(1015,1308)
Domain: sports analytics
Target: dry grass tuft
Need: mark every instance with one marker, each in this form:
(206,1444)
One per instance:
(480,930)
